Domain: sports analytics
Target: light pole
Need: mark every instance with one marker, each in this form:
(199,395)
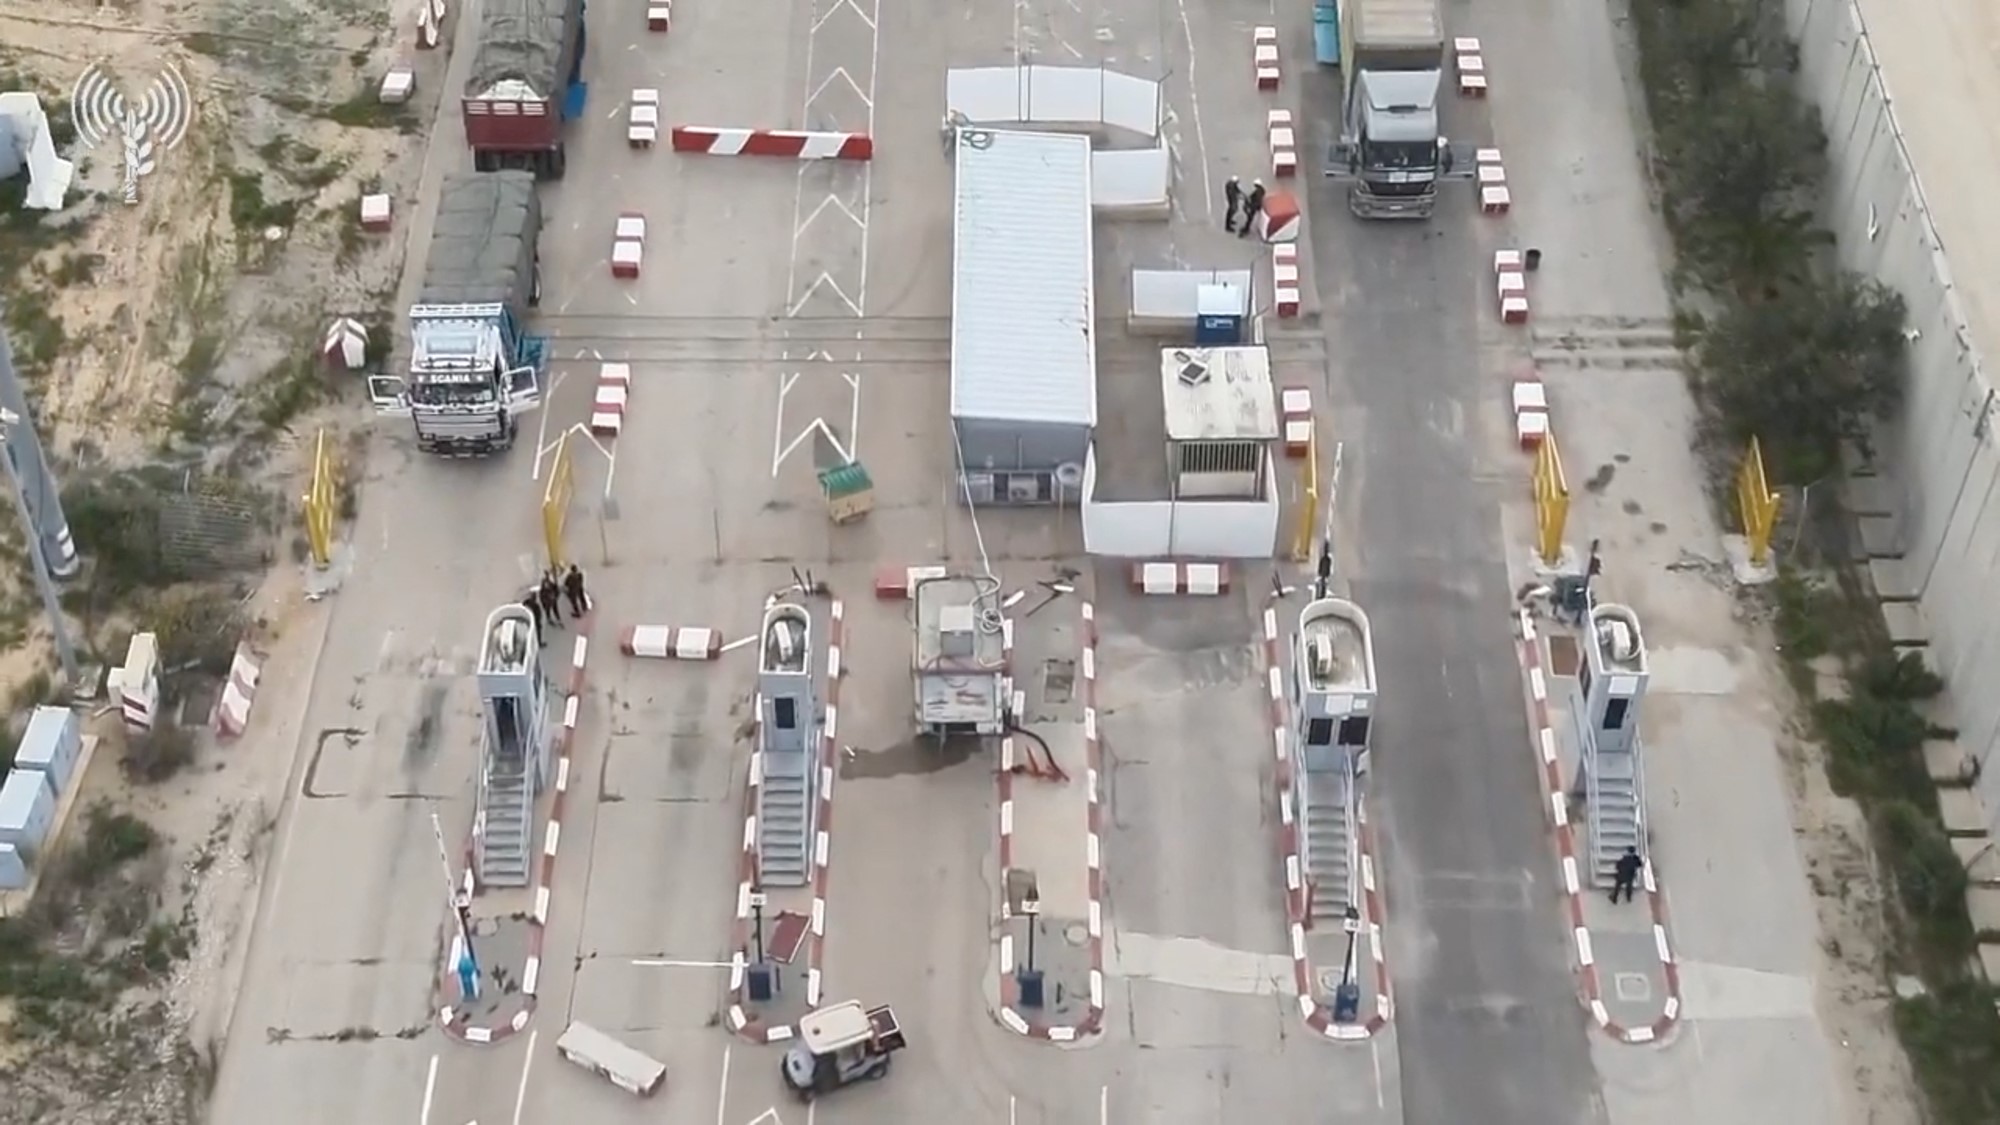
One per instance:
(45,582)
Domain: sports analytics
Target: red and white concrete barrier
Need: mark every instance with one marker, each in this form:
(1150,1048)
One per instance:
(613,397)
(239,692)
(1285,279)
(1281,217)
(1494,196)
(899,583)
(659,15)
(1180,578)
(430,25)
(1531,413)
(1295,414)
(642,118)
(1264,53)
(668,642)
(1510,286)
(1284,143)
(628,245)
(799,145)
(1471,67)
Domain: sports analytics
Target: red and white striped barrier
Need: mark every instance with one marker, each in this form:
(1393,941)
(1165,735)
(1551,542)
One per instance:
(1281,217)
(1264,52)
(1285,279)
(1200,579)
(668,642)
(1284,143)
(899,583)
(239,692)
(1471,67)
(613,397)
(773,142)
(1494,196)
(659,15)
(136,683)
(628,245)
(377,213)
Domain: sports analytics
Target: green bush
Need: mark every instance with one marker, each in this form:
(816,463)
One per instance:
(1930,881)
(1953,1037)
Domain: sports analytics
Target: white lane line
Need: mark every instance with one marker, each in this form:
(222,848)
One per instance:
(430,1090)
(722,1095)
(1375,1057)
(1200,140)
(1104,1105)
(656,963)
(521,1095)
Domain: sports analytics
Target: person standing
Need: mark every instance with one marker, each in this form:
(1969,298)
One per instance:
(532,602)
(579,602)
(1252,204)
(1232,199)
(551,597)
(1625,875)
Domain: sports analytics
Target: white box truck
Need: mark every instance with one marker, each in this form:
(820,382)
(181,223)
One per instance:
(634,1072)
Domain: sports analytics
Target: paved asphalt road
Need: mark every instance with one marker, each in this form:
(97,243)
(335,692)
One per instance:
(1486,1012)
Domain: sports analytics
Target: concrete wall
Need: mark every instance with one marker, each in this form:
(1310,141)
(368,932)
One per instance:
(1185,529)
(1939,544)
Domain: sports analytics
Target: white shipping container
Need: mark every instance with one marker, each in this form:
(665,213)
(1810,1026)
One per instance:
(51,745)
(27,809)
(13,869)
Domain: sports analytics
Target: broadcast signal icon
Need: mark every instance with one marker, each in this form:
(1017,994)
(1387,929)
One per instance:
(155,124)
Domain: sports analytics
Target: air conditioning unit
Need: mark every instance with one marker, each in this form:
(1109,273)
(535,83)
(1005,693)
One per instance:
(956,628)
(1023,488)
(1620,642)
(979,486)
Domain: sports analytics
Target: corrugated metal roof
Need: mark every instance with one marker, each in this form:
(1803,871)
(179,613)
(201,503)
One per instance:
(1022,308)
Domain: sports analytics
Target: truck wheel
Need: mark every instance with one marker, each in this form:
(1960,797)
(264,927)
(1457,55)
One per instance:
(535,288)
(558,163)
(484,161)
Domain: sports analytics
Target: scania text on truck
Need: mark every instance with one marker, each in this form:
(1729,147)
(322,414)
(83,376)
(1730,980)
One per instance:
(1391,69)
(526,82)
(474,367)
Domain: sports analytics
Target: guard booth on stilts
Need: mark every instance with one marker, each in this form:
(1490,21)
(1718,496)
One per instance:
(1333,707)
(788,732)
(1610,682)
(519,747)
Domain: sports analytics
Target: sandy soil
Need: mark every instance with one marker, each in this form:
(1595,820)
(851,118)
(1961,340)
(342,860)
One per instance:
(283,102)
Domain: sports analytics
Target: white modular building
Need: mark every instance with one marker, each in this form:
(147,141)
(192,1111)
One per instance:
(1023,318)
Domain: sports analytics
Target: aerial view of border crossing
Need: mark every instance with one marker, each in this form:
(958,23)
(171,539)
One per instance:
(1048,562)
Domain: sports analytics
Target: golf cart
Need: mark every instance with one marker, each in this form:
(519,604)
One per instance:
(839,1044)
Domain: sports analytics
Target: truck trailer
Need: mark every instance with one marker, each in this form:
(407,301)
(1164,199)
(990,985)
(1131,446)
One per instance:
(474,367)
(526,82)
(1391,152)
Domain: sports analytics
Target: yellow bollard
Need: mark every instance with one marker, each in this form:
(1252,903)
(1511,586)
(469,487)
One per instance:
(1756,503)
(321,500)
(555,503)
(1551,487)
(1302,539)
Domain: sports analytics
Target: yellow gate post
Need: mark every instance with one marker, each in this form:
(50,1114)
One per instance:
(1302,539)
(555,503)
(320,503)
(1551,501)
(1756,503)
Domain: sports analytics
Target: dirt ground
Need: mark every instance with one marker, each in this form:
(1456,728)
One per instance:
(183,331)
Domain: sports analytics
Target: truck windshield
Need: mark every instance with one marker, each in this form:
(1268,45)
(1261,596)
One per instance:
(1411,156)
(481,393)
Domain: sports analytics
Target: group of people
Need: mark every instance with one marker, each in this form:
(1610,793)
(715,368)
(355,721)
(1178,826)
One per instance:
(1247,202)
(545,599)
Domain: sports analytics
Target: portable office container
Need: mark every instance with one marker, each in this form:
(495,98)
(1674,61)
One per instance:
(13,869)
(27,809)
(51,745)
